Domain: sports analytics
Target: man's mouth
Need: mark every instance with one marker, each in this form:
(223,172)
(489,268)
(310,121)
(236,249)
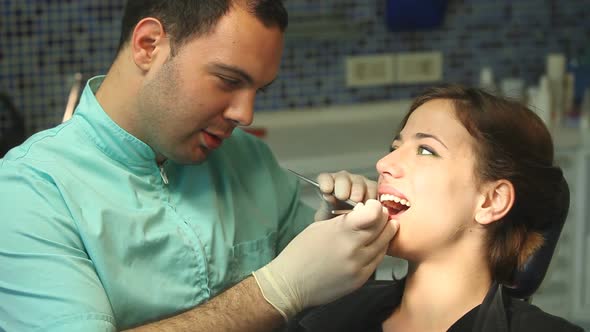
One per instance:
(211,141)
(394,204)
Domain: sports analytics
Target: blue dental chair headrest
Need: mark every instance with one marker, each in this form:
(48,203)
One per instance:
(526,281)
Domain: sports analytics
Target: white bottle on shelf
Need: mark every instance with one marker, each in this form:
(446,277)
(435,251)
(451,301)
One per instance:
(540,100)
(486,80)
(585,115)
(555,69)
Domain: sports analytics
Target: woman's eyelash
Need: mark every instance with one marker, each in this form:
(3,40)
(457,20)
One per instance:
(422,147)
(427,148)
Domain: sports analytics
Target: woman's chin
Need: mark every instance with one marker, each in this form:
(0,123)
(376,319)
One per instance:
(397,249)
(392,250)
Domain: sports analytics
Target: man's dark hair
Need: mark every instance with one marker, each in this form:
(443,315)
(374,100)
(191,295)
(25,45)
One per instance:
(185,19)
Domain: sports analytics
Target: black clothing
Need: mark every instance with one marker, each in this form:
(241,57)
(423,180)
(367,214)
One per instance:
(365,310)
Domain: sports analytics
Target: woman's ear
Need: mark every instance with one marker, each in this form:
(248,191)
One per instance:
(496,200)
(148,40)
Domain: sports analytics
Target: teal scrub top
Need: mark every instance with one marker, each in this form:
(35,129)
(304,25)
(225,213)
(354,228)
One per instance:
(92,238)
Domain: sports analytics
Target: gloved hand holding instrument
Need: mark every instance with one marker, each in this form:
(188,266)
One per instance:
(340,192)
(332,257)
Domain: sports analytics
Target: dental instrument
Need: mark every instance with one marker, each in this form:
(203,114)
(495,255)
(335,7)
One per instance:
(317,186)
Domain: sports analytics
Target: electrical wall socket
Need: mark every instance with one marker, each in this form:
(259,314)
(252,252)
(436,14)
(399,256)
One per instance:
(418,67)
(369,70)
(394,68)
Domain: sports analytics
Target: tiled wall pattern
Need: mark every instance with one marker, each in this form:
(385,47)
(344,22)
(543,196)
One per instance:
(43,43)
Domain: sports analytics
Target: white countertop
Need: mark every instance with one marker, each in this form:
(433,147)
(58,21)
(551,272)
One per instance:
(351,137)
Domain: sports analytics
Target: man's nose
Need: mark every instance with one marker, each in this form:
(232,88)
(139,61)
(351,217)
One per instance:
(241,110)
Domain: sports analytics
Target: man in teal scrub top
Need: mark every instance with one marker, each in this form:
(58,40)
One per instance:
(150,210)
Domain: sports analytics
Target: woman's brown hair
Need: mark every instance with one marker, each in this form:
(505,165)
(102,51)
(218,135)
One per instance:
(512,143)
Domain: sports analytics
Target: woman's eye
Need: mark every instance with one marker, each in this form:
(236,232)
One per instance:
(424,150)
(392,148)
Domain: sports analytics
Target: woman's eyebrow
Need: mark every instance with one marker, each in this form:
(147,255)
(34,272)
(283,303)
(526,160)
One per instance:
(424,135)
(399,137)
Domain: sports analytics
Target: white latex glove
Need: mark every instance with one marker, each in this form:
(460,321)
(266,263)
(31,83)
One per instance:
(329,259)
(343,185)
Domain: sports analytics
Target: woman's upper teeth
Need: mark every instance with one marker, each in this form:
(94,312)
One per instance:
(390,197)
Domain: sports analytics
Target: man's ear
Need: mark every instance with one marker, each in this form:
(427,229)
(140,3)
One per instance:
(495,201)
(148,41)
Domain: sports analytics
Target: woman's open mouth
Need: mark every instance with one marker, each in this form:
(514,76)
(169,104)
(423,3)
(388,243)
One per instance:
(395,205)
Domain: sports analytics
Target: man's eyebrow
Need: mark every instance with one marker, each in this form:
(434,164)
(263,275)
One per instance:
(398,137)
(237,71)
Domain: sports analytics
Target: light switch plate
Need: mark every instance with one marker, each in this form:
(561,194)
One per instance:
(369,70)
(418,67)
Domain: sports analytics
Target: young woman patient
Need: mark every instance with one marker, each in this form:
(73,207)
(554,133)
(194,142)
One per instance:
(471,180)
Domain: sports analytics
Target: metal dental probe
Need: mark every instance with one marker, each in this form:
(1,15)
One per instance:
(317,185)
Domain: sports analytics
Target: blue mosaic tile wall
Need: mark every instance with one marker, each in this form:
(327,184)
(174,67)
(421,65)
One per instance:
(43,43)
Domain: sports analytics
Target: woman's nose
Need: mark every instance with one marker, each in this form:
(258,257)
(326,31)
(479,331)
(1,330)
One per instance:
(390,164)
